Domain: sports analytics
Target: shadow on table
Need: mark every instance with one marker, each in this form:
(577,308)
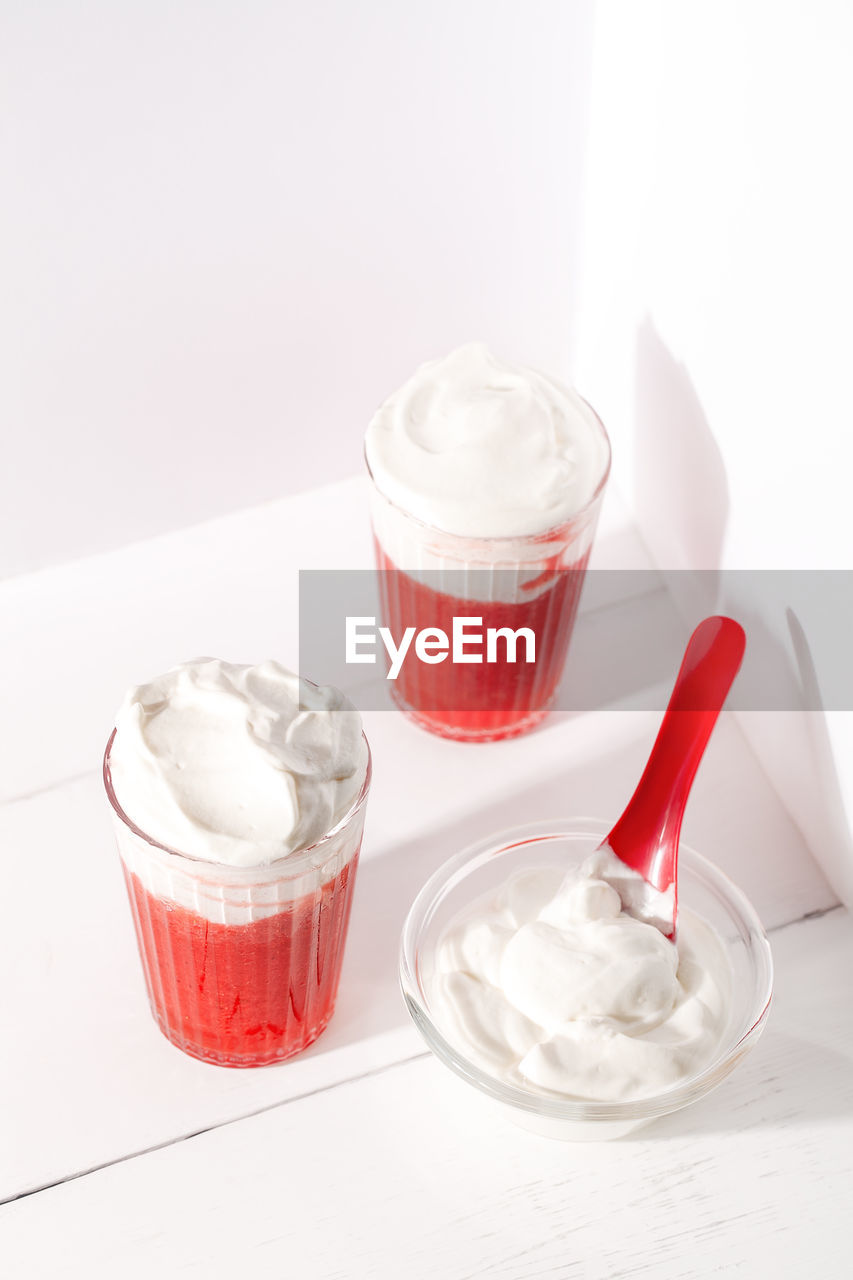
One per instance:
(786,1081)
(370,1002)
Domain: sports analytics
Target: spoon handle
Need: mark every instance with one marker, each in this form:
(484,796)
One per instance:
(646,836)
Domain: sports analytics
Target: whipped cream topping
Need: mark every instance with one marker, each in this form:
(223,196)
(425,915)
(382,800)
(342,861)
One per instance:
(478,447)
(551,985)
(236,764)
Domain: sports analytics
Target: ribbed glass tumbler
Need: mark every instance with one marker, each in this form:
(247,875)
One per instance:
(242,964)
(503,585)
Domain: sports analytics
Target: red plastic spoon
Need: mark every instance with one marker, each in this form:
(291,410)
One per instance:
(646,836)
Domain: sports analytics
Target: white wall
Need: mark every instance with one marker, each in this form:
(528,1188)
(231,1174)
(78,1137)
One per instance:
(716,328)
(231,228)
(228,230)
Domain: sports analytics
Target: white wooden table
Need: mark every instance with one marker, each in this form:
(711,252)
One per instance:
(120,1157)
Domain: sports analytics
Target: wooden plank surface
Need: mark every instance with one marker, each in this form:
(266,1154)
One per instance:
(87,1078)
(75,636)
(395,1172)
(405,1173)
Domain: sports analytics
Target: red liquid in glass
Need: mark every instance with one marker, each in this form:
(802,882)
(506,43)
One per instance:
(244,994)
(482,701)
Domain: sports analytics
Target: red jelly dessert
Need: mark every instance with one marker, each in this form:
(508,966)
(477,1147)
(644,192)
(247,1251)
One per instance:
(243,994)
(487,700)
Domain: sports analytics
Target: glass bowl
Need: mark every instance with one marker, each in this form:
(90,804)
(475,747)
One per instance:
(483,868)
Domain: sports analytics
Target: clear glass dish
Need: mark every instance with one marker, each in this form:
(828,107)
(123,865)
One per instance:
(481,869)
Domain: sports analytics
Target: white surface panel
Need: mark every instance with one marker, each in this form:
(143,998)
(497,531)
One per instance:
(715,326)
(401,1174)
(75,636)
(91,1077)
(229,230)
(356,1175)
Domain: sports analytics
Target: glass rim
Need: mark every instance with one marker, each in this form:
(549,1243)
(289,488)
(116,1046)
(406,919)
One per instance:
(545,535)
(551,1106)
(295,858)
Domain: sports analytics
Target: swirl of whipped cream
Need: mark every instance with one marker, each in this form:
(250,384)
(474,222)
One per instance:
(552,985)
(236,764)
(480,448)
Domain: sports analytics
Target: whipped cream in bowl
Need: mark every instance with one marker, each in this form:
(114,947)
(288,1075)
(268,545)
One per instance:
(528,979)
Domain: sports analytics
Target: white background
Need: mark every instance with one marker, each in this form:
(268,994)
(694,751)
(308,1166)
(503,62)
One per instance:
(228,231)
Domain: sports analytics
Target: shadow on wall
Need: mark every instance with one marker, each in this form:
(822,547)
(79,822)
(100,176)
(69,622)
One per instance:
(682,504)
(830,823)
(681,492)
